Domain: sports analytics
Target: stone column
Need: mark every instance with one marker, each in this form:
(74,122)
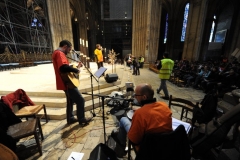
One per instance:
(146,28)
(195,26)
(60,21)
(153,29)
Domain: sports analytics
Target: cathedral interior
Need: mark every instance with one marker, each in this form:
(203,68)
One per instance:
(196,31)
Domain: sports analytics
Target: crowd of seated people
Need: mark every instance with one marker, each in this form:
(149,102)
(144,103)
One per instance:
(211,75)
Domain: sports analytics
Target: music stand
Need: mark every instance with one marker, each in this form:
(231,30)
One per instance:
(100,72)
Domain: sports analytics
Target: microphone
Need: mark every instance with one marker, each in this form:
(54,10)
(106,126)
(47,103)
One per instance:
(76,53)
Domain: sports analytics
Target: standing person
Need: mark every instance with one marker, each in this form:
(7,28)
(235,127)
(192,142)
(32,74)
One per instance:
(126,61)
(61,65)
(166,67)
(152,117)
(129,61)
(141,61)
(136,66)
(99,55)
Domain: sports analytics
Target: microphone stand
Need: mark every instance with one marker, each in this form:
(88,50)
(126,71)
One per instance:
(103,118)
(91,75)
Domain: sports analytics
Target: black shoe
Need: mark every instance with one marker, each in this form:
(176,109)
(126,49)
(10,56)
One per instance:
(72,120)
(164,97)
(85,120)
(120,151)
(158,91)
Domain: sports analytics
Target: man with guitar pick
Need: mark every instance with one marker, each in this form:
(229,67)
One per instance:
(64,77)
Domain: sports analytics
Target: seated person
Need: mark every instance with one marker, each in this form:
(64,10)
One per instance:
(203,74)
(208,83)
(228,82)
(191,75)
(152,117)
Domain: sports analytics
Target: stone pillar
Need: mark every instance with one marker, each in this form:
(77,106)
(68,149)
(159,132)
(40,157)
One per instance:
(153,30)
(195,26)
(60,21)
(146,28)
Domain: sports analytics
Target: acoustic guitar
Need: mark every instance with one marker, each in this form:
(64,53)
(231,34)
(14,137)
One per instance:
(71,79)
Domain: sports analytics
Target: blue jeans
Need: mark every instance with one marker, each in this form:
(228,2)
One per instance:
(163,86)
(74,96)
(124,127)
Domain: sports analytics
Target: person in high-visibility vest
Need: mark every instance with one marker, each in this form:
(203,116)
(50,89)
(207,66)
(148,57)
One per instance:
(166,67)
(141,61)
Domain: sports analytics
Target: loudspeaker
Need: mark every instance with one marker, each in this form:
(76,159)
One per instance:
(111,78)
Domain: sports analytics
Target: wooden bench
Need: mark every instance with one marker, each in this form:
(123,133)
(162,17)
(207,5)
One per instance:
(153,68)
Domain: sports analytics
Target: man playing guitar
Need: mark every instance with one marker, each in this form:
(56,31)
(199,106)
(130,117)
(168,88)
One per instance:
(61,66)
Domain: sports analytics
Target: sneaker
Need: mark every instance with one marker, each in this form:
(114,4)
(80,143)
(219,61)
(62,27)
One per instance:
(85,120)
(158,91)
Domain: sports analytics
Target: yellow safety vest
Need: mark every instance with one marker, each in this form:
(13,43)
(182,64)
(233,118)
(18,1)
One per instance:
(167,67)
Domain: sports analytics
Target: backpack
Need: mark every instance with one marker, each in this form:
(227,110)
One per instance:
(138,64)
(208,110)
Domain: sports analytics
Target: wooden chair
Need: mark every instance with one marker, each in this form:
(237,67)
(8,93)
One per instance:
(32,111)
(26,108)
(186,106)
(171,145)
(26,129)
(6,153)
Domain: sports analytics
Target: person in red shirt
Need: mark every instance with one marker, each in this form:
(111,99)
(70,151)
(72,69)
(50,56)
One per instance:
(152,117)
(61,65)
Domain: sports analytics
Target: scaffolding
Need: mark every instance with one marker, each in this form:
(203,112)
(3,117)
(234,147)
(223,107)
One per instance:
(24,26)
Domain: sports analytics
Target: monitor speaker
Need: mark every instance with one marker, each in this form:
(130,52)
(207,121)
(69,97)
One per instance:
(111,78)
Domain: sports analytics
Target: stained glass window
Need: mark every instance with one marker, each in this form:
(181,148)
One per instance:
(212,29)
(166,29)
(185,22)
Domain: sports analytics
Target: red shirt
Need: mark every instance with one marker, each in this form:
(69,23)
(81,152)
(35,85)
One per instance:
(59,59)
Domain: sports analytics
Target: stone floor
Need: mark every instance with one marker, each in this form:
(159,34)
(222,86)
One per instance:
(60,139)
